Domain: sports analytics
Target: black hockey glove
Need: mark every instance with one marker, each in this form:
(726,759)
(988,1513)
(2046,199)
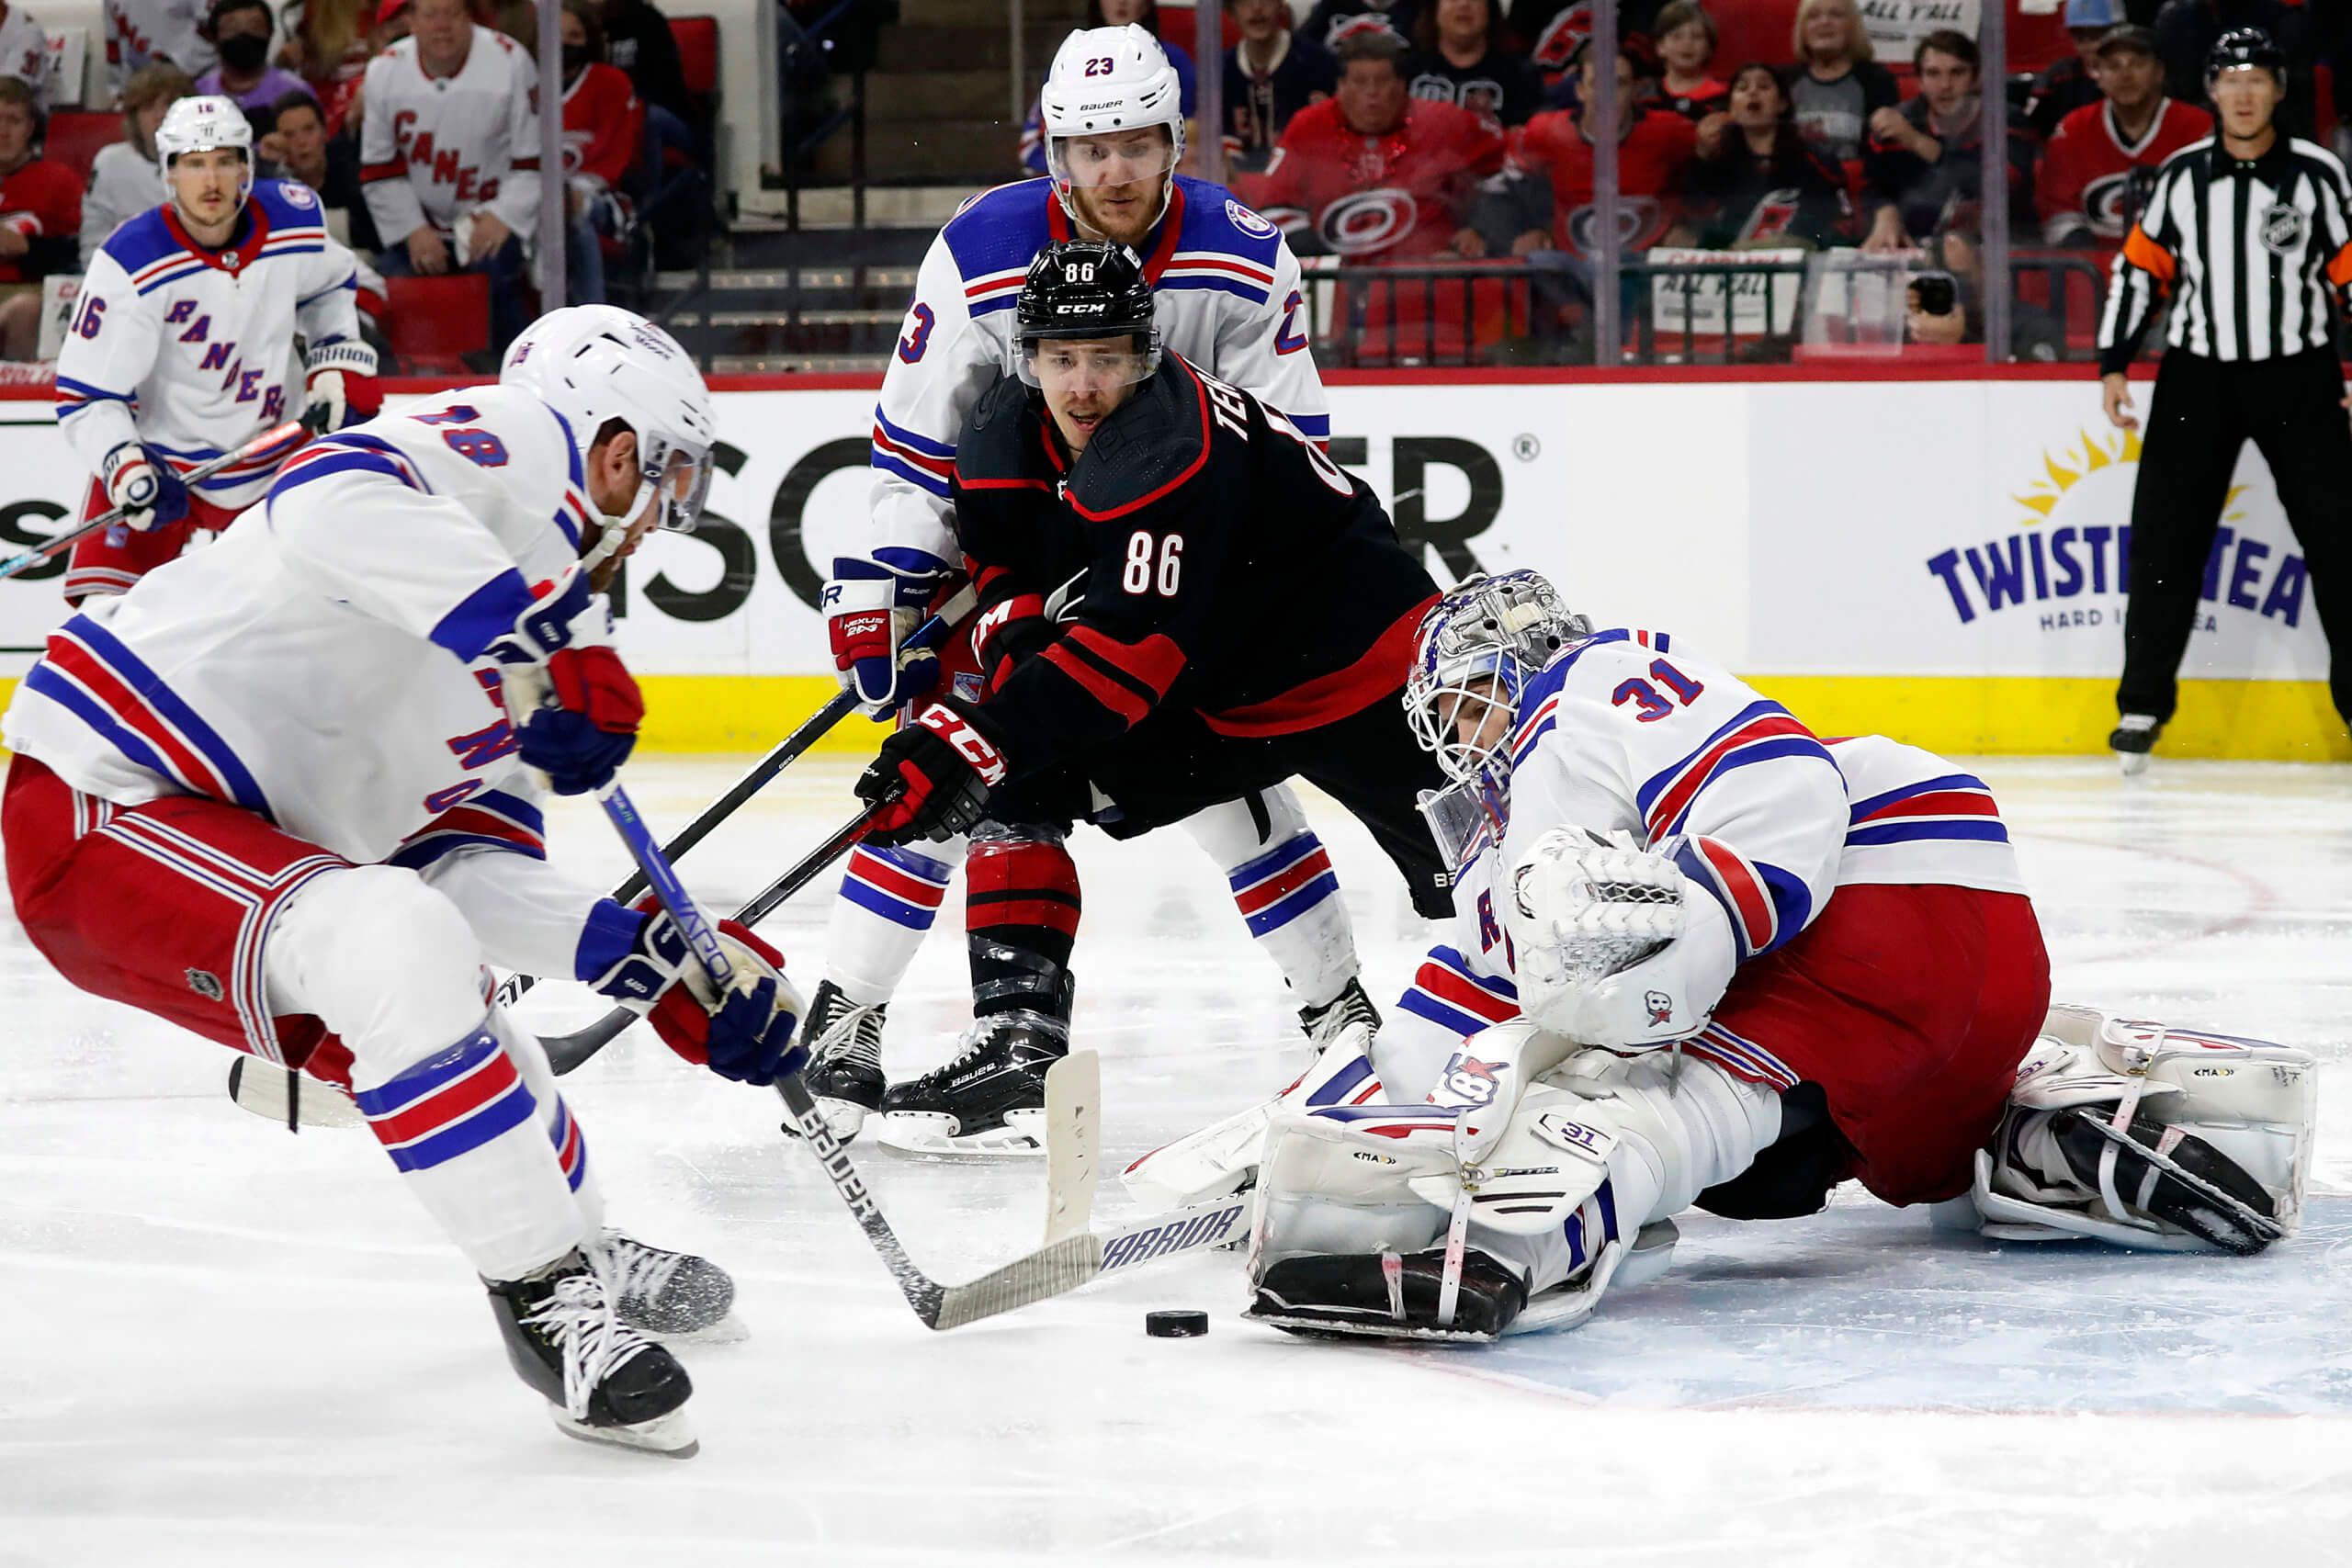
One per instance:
(933,778)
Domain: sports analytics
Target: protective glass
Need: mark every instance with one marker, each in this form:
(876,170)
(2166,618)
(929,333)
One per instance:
(1055,364)
(1116,158)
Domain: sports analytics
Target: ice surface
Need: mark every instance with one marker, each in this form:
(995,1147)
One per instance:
(225,1344)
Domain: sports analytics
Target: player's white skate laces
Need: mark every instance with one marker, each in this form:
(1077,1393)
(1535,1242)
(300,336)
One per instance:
(591,1343)
(673,1294)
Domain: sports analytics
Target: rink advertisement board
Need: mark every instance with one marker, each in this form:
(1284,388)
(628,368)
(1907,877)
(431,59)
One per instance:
(1952,552)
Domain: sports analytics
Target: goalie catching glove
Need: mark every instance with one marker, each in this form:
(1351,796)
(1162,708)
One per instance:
(574,704)
(747,1034)
(1614,945)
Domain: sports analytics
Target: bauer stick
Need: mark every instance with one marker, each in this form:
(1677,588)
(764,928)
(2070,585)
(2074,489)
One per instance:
(1060,1266)
(929,635)
(566,1052)
(277,436)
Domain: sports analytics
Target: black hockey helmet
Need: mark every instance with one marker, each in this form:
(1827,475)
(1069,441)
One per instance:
(2244,46)
(1085,288)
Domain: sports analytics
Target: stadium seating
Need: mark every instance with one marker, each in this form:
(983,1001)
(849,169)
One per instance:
(76,135)
(435,321)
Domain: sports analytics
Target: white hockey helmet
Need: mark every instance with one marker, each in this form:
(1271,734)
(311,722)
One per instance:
(1106,80)
(595,364)
(204,125)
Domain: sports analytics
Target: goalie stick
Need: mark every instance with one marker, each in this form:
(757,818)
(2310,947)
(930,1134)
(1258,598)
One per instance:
(277,435)
(1057,1266)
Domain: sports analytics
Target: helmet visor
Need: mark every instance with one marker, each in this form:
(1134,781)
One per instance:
(1061,365)
(681,479)
(1146,154)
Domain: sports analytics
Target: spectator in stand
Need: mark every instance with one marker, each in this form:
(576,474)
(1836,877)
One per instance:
(1374,172)
(2072,82)
(638,40)
(1757,182)
(1836,84)
(40,218)
(140,33)
(2105,155)
(1686,47)
(328,45)
(24,50)
(449,154)
(604,136)
(239,30)
(1462,58)
(125,176)
(1333,22)
(1144,14)
(1924,164)
(1551,31)
(2187,31)
(1545,202)
(330,167)
(1270,75)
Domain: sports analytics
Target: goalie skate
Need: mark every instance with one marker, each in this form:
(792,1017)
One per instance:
(988,1101)
(603,1381)
(1386,1296)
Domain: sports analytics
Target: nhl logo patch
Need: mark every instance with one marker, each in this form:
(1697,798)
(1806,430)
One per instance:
(1248,222)
(206,984)
(2284,229)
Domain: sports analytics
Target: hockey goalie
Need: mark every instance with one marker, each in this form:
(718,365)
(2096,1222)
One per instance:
(1707,958)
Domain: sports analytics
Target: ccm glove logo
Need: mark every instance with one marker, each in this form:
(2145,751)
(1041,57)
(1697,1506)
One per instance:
(968,742)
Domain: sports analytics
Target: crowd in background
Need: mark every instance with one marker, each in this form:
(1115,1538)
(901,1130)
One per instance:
(1415,132)
(302,77)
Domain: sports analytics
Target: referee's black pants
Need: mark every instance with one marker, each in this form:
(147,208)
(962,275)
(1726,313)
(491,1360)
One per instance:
(2204,413)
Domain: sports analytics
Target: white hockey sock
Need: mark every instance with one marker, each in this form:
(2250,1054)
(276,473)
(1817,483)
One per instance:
(1284,888)
(564,1133)
(463,1128)
(889,899)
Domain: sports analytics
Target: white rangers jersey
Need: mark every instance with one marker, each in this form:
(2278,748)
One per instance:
(189,351)
(1621,732)
(140,33)
(322,664)
(1225,296)
(24,52)
(432,149)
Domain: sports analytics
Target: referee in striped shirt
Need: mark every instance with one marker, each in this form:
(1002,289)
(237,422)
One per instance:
(2249,232)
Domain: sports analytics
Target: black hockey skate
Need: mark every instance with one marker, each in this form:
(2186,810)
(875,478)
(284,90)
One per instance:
(2192,1184)
(2133,739)
(1324,1024)
(603,1381)
(989,1100)
(845,1073)
(674,1295)
(1384,1296)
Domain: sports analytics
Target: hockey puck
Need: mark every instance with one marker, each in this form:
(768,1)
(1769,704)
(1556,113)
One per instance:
(1186,1325)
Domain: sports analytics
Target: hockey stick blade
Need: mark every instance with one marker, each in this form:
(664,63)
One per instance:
(1050,1271)
(1219,1222)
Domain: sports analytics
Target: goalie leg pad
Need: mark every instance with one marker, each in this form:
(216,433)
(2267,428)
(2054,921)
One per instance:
(2149,1136)
(1222,1157)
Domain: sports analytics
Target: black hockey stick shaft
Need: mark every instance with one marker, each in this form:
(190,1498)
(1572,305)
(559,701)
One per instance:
(566,1052)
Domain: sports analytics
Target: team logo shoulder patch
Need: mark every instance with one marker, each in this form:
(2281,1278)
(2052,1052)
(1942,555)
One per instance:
(296,193)
(1248,222)
(2284,229)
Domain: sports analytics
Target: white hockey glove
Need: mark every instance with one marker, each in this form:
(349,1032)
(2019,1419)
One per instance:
(149,493)
(339,387)
(1613,945)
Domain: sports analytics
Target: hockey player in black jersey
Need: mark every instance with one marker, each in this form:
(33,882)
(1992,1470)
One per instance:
(1183,601)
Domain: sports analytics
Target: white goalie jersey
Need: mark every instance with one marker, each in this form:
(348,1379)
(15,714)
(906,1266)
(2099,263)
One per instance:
(1622,734)
(1227,296)
(323,664)
(190,352)
(433,149)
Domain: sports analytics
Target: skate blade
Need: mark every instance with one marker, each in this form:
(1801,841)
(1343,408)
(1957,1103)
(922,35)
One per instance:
(664,1437)
(924,1136)
(1314,1325)
(845,1118)
(727,1330)
(2133,763)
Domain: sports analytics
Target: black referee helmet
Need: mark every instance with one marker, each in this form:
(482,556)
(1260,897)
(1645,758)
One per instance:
(2245,46)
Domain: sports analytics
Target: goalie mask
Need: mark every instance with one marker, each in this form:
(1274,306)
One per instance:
(1107,83)
(1473,657)
(597,364)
